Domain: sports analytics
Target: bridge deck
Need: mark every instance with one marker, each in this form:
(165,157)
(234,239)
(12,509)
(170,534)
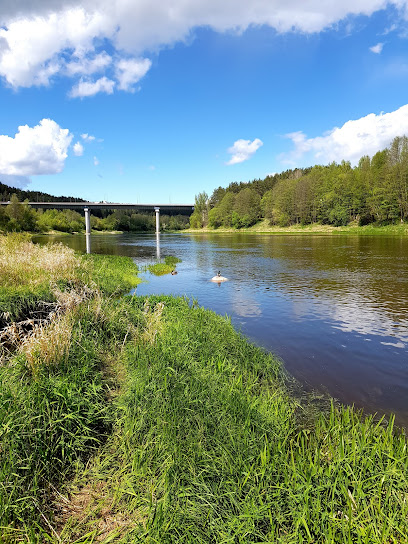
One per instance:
(182,209)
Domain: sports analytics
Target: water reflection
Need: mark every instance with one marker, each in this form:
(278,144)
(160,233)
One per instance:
(334,308)
(158,246)
(245,305)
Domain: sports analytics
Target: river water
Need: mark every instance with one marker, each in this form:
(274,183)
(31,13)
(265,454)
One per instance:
(334,308)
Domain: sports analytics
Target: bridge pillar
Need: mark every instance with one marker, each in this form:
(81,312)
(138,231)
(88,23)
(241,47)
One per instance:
(88,229)
(157,210)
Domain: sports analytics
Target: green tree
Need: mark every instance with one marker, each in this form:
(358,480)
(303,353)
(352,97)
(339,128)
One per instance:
(221,215)
(21,215)
(247,208)
(199,217)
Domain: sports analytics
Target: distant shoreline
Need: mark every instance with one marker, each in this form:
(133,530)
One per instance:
(263,227)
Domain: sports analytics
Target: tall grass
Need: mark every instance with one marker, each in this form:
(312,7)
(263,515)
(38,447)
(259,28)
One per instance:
(23,263)
(112,274)
(30,273)
(207,448)
(27,272)
(179,431)
(54,393)
(54,411)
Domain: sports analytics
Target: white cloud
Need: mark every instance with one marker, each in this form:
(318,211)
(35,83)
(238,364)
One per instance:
(78,149)
(42,39)
(390,29)
(35,150)
(90,88)
(364,136)
(377,48)
(87,137)
(242,150)
(87,65)
(130,71)
(35,45)
(96,161)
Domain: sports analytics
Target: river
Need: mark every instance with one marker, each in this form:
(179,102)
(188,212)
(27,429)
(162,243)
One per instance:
(334,308)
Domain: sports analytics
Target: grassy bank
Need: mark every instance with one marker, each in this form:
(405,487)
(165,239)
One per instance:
(154,421)
(263,227)
(53,388)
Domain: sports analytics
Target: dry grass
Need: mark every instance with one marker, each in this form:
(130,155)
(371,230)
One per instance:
(92,509)
(153,322)
(25,263)
(45,340)
(264,227)
(50,340)
(48,345)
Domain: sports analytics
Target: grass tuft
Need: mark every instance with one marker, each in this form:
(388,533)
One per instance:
(48,345)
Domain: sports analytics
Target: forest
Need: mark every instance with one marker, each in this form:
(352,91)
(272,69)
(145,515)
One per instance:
(373,192)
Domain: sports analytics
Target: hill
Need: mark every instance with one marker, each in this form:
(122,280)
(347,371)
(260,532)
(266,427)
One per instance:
(33,196)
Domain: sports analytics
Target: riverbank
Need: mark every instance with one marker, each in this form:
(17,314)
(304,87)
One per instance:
(154,420)
(263,227)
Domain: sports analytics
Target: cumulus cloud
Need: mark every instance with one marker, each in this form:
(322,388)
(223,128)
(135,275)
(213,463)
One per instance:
(90,88)
(96,161)
(364,136)
(130,71)
(242,150)
(35,150)
(78,149)
(377,48)
(37,46)
(48,38)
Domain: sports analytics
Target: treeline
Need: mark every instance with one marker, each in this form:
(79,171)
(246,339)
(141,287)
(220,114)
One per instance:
(19,216)
(7,192)
(375,191)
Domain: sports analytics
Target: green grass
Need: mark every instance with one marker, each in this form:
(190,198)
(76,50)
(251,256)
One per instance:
(159,423)
(54,414)
(29,273)
(208,448)
(160,269)
(113,275)
(398,229)
(49,422)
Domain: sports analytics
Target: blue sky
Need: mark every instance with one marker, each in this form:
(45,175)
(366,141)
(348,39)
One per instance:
(153,102)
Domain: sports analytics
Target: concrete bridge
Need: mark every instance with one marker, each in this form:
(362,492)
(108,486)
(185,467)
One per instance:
(171,209)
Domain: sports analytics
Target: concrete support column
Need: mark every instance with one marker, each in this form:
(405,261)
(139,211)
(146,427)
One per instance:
(88,229)
(157,210)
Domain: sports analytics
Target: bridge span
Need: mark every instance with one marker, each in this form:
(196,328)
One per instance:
(171,209)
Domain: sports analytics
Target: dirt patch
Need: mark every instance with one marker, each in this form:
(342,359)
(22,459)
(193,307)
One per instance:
(92,509)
